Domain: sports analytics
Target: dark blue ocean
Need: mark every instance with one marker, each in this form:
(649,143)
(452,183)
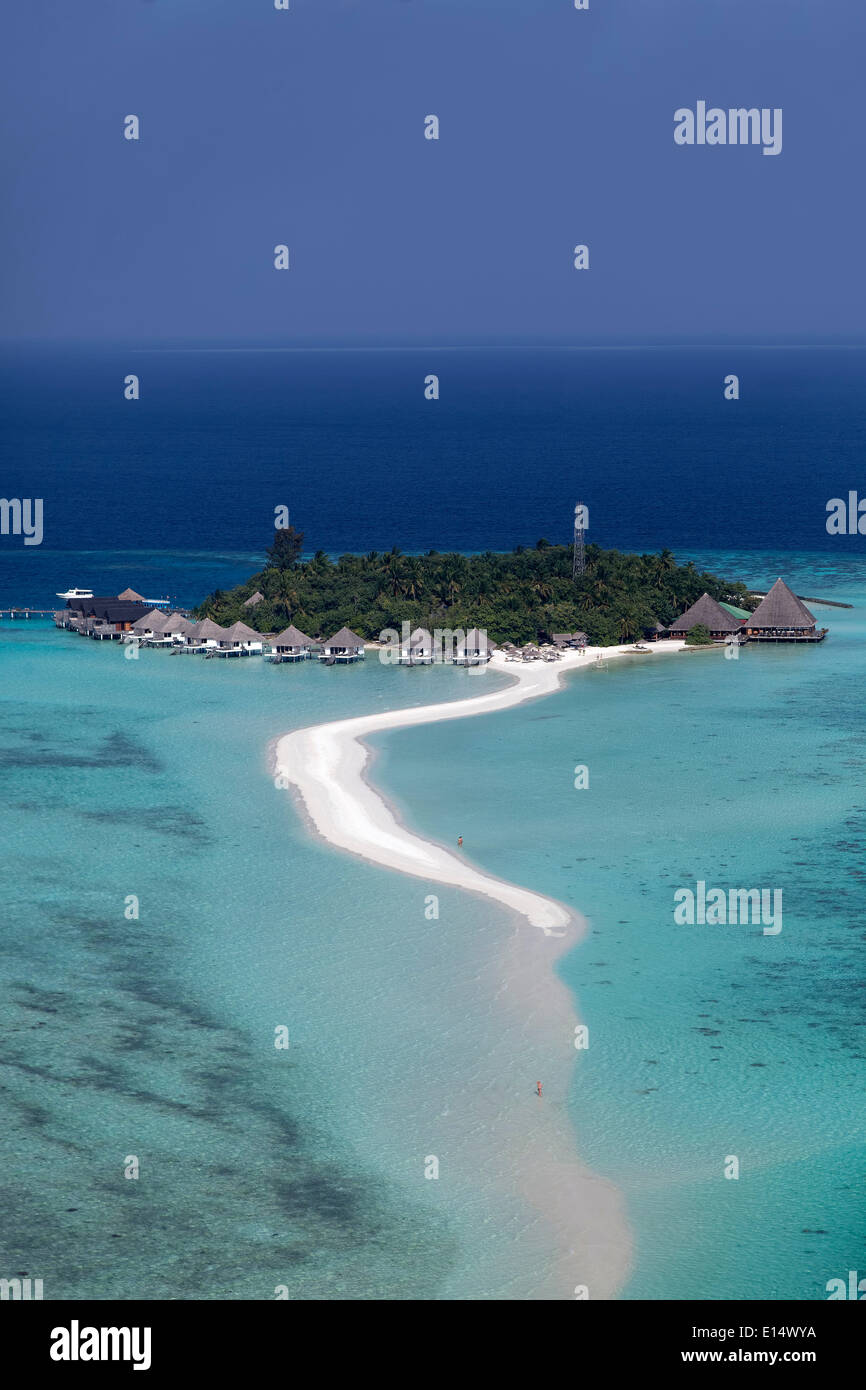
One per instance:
(175,493)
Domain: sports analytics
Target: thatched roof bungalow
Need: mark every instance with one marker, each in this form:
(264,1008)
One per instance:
(240,640)
(782,617)
(473,649)
(176,628)
(418,651)
(291,644)
(713,616)
(150,626)
(345,645)
(206,633)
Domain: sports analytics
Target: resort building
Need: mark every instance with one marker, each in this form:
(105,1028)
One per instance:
(148,625)
(254,600)
(418,651)
(782,617)
(719,623)
(240,640)
(343,646)
(120,614)
(205,635)
(176,628)
(291,645)
(473,649)
(152,629)
(741,613)
(569,639)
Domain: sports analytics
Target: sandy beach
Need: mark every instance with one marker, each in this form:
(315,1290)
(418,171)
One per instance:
(578,1237)
(326,765)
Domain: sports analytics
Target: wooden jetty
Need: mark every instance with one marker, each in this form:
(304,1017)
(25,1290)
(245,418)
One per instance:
(20,612)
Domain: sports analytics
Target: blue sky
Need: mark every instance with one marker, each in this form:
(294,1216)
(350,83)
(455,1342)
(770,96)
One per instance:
(306,127)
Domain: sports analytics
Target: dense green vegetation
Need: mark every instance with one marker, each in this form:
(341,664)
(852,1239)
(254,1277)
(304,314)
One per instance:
(699,636)
(525,595)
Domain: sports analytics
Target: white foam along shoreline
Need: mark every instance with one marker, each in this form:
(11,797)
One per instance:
(326,763)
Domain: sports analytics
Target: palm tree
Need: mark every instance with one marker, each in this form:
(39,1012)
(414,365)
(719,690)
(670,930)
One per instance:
(542,589)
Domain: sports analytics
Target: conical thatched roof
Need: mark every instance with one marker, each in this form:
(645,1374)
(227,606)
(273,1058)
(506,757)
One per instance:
(292,636)
(132,596)
(708,612)
(239,632)
(345,638)
(781,608)
(254,599)
(176,622)
(208,628)
(154,621)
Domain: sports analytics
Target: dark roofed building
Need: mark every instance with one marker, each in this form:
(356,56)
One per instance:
(782,617)
(718,623)
(119,613)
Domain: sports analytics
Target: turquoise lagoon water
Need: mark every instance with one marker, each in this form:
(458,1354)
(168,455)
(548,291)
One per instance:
(305,1168)
(704,1041)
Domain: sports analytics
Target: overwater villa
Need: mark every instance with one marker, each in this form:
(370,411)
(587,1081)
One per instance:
(205,636)
(344,646)
(158,636)
(240,640)
(418,651)
(782,617)
(291,645)
(148,626)
(118,614)
(473,649)
(719,623)
(176,628)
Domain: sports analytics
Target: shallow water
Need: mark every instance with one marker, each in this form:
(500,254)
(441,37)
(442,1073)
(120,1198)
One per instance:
(155,1037)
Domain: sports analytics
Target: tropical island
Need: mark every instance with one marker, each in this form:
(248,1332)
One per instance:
(525,595)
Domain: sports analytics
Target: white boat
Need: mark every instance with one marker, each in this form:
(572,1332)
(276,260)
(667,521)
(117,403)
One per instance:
(77,593)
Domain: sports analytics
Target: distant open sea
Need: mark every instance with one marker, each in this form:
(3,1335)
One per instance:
(175,492)
(154,1037)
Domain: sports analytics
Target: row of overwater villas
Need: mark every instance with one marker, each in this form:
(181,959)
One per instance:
(780,617)
(115,620)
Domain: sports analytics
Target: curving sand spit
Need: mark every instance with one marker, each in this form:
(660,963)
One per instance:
(576,1236)
(326,762)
